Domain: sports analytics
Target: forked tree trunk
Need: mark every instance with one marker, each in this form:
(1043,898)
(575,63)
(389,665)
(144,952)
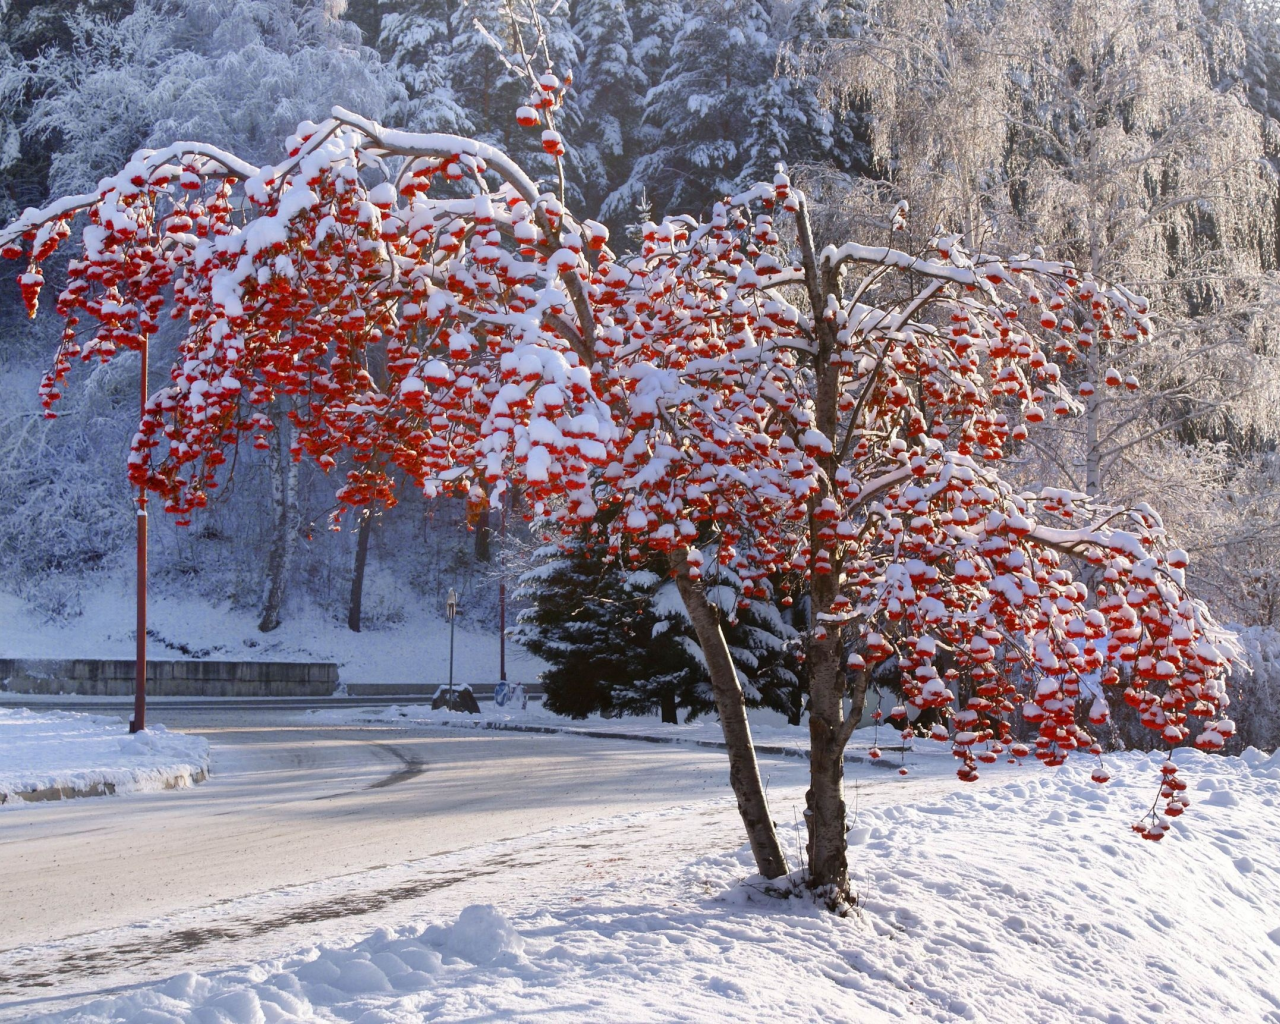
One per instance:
(284,500)
(357,577)
(744,773)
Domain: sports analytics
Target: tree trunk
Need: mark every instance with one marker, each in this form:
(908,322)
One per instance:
(357,577)
(744,774)
(828,728)
(667,704)
(828,734)
(1092,420)
(284,499)
(484,534)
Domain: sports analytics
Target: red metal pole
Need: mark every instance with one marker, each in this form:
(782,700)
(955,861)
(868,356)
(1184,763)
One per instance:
(140,679)
(502,599)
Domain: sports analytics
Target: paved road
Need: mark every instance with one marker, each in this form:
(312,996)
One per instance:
(199,707)
(302,827)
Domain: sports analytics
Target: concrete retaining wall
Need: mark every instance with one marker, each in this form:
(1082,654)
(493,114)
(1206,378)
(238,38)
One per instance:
(89,677)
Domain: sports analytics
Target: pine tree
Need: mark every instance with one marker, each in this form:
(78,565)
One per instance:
(620,640)
(416,39)
(610,99)
(700,110)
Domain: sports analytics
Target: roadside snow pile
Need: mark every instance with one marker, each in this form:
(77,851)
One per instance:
(1028,899)
(72,754)
(769,732)
(537,718)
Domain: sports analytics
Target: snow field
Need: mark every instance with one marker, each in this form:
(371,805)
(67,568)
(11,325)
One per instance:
(91,753)
(1026,900)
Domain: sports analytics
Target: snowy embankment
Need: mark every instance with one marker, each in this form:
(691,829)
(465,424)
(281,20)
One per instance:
(415,650)
(54,754)
(1027,899)
(769,732)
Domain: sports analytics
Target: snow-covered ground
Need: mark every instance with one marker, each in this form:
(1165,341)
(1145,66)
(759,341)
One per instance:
(415,651)
(1027,899)
(78,753)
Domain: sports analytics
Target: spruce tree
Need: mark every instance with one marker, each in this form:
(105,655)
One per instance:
(701,110)
(416,39)
(619,639)
(609,101)
(489,91)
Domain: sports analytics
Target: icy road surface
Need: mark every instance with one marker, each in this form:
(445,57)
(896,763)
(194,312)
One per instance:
(302,828)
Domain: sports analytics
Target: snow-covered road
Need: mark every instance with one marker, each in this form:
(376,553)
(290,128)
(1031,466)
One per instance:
(302,827)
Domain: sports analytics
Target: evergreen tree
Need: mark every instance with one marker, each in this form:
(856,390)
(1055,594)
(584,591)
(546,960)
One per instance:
(416,39)
(817,130)
(489,91)
(701,110)
(619,640)
(609,649)
(610,99)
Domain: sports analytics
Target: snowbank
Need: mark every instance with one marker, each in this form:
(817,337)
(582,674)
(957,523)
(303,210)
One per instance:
(1025,900)
(769,732)
(51,754)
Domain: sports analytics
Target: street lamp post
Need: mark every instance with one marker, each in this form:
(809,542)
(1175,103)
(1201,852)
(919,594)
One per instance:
(451,609)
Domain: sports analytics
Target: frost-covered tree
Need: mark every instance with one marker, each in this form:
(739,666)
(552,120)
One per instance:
(610,98)
(27,31)
(239,73)
(701,109)
(1116,141)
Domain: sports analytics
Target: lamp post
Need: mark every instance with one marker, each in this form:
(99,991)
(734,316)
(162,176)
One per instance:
(139,720)
(451,609)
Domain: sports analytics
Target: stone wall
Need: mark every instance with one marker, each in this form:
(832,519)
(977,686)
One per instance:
(170,678)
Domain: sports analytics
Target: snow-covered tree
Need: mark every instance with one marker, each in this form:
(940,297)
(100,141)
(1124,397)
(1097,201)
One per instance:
(417,40)
(490,65)
(607,647)
(238,73)
(610,98)
(701,109)
(839,413)
(621,640)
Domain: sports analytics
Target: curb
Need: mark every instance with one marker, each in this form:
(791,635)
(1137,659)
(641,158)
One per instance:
(596,734)
(179,781)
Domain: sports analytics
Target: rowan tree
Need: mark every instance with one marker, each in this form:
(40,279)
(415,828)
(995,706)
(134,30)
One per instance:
(839,415)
